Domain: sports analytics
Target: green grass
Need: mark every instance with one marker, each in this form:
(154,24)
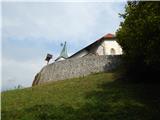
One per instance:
(95,97)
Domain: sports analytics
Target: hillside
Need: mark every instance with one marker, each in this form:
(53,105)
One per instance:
(95,97)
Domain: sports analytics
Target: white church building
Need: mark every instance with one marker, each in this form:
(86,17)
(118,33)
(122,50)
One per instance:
(107,45)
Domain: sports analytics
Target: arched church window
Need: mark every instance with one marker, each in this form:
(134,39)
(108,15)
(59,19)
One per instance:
(112,51)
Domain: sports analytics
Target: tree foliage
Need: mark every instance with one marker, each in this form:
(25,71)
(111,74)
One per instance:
(139,36)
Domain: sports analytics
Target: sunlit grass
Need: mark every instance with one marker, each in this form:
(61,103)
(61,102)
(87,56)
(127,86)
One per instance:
(95,97)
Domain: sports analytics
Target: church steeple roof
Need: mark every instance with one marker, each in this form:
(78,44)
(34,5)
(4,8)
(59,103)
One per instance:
(64,53)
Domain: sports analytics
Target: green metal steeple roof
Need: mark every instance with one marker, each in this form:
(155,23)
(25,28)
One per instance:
(64,51)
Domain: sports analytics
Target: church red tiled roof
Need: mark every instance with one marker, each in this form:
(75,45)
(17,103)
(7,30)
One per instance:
(109,35)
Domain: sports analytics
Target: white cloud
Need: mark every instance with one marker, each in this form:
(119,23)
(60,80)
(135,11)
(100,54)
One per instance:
(15,72)
(53,20)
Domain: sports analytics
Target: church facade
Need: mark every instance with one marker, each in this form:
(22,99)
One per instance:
(107,45)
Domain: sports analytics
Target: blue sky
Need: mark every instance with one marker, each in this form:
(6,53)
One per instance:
(30,30)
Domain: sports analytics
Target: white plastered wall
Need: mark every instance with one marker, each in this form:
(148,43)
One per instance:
(106,46)
(100,50)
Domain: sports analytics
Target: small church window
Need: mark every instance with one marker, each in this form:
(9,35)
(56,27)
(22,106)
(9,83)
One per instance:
(112,51)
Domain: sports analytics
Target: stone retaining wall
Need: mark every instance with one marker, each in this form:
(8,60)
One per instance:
(76,67)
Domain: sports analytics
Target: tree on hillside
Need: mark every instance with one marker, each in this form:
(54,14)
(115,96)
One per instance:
(139,36)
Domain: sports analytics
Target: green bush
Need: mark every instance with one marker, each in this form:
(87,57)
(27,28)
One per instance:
(139,36)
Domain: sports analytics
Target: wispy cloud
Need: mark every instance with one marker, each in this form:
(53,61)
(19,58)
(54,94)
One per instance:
(18,72)
(52,20)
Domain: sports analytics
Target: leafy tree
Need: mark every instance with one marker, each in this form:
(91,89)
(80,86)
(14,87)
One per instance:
(139,36)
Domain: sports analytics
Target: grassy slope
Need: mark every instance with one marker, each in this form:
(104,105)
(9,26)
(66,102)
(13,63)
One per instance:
(95,97)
